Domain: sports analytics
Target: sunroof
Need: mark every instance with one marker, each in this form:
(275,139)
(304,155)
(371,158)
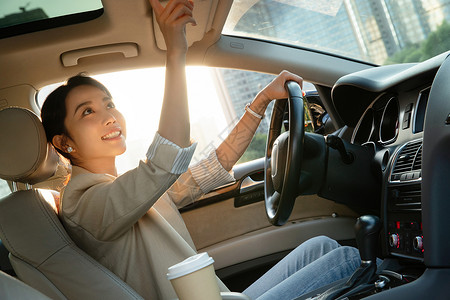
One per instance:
(24,16)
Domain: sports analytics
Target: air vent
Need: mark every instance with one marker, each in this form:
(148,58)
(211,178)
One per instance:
(407,197)
(417,165)
(408,162)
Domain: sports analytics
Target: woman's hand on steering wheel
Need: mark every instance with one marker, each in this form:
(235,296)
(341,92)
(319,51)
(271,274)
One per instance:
(276,88)
(284,151)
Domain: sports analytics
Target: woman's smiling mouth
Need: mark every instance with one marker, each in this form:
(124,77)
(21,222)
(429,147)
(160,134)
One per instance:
(112,135)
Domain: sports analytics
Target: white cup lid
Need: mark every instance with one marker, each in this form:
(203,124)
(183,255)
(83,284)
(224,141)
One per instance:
(190,265)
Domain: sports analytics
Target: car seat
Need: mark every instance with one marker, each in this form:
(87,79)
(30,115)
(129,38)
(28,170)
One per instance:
(11,289)
(41,253)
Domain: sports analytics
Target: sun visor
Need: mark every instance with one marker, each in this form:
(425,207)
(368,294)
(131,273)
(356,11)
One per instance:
(204,11)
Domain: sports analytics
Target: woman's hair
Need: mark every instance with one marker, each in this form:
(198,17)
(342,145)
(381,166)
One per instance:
(53,112)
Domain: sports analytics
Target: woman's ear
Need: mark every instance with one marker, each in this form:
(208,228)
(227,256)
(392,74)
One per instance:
(59,141)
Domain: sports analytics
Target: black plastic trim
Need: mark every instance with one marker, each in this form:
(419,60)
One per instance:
(5,264)
(435,169)
(241,171)
(50,23)
(353,93)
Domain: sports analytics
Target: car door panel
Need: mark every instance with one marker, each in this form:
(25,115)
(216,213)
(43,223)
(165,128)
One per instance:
(236,233)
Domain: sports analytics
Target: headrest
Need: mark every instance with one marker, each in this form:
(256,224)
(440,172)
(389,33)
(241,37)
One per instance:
(25,155)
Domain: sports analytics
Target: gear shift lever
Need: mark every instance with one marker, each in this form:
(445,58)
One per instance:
(366,230)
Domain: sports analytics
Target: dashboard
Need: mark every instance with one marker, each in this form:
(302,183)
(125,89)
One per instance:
(380,122)
(385,108)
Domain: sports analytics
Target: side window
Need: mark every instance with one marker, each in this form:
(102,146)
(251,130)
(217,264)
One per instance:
(242,87)
(4,188)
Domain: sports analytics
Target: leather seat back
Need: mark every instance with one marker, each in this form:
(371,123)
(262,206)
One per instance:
(41,252)
(11,289)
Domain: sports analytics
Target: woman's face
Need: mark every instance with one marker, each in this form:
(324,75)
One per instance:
(96,128)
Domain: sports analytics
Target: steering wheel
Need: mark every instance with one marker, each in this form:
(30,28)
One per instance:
(284,151)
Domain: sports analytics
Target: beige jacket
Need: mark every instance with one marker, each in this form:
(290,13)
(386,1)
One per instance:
(130,224)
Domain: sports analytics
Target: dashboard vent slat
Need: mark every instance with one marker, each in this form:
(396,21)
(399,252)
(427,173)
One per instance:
(408,161)
(417,165)
(406,198)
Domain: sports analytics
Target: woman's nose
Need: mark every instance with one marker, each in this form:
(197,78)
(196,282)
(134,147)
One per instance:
(109,118)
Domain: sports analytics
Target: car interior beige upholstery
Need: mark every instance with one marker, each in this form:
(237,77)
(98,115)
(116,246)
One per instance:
(41,252)
(11,288)
(25,155)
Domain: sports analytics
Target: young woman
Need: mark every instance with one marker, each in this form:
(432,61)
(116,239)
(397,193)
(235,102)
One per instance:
(130,223)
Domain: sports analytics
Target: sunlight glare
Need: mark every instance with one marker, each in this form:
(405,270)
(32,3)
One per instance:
(138,94)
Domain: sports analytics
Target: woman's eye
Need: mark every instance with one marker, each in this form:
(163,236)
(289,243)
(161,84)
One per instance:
(111,105)
(87,111)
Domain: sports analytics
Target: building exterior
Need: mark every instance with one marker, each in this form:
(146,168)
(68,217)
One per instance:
(24,16)
(240,88)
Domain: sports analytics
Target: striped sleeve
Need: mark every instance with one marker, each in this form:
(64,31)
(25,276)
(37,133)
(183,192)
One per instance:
(209,173)
(162,146)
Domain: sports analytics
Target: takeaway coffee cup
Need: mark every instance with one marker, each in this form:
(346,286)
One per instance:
(194,278)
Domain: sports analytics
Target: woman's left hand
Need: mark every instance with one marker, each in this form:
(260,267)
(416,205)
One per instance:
(276,88)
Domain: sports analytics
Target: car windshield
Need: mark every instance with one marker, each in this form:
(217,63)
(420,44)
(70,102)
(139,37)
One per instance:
(376,31)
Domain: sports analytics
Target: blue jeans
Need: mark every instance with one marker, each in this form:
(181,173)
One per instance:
(315,263)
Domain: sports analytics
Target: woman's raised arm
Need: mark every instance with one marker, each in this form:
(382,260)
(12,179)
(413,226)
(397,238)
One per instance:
(174,121)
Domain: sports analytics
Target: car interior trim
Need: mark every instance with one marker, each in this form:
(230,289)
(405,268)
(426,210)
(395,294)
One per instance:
(70,58)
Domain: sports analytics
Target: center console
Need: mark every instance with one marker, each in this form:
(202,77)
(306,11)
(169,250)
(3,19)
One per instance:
(403,235)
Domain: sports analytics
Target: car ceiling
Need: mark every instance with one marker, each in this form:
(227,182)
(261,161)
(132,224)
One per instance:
(35,59)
